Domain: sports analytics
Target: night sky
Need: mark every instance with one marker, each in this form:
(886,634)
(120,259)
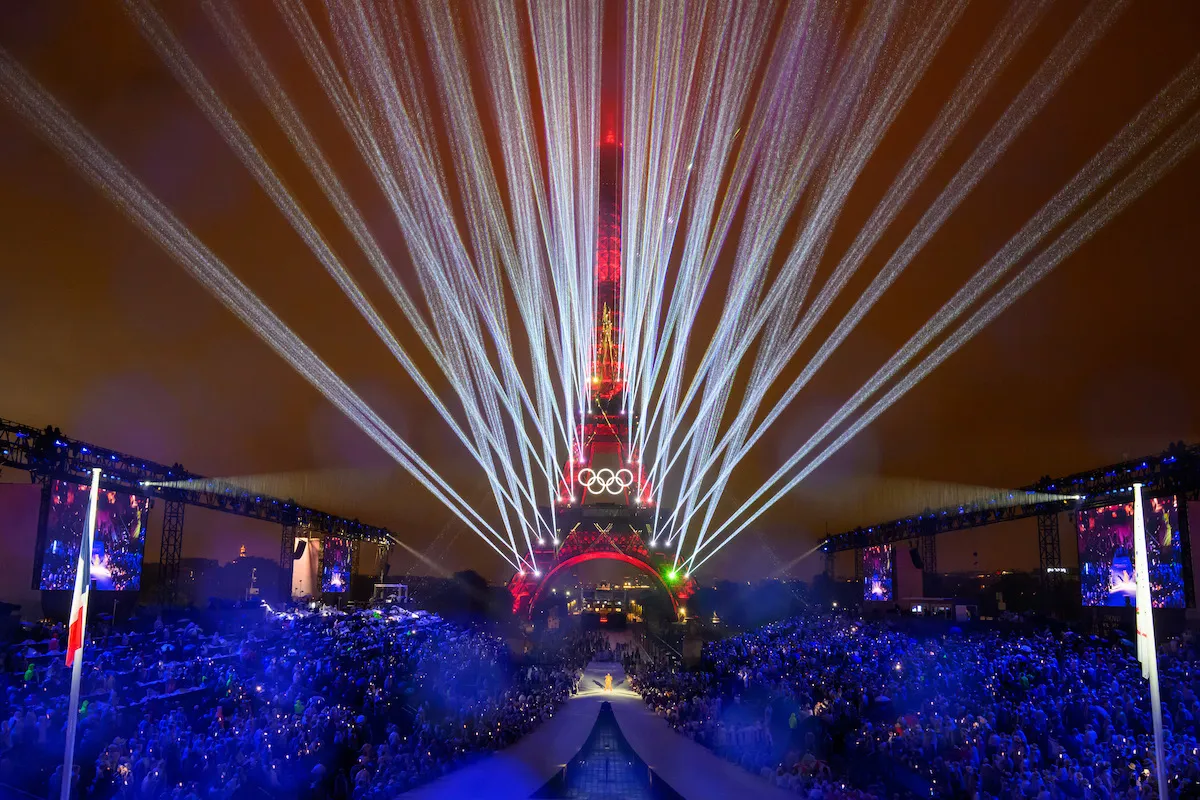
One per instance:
(107,338)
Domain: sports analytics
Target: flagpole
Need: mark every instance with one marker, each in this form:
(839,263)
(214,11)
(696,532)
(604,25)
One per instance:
(1146,647)
(83,577)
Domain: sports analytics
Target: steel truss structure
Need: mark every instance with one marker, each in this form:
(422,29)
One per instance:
(169,551)
(928,545)
(47,455)
(1176,471)
(1049,548)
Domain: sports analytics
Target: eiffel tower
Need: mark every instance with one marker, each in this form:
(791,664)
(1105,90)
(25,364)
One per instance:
(605,506)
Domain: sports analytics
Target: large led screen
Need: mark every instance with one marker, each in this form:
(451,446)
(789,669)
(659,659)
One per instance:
(116,563)
(877,574)
(1106,554)
(335,565)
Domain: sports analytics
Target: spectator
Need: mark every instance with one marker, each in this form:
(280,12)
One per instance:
(362,704)
(1030,714)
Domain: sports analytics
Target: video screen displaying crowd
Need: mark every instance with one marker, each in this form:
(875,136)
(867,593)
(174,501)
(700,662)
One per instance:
(1107,560)
(357,705)
(117,549)
(831,707)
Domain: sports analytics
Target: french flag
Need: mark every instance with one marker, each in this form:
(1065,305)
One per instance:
(83,578)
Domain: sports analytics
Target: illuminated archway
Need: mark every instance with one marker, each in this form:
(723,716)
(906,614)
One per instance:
(612,556)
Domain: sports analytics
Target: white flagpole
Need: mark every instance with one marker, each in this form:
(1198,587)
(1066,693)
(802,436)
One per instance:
(1146,647)
(83,575)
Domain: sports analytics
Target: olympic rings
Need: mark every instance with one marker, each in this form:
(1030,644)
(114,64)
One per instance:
(605,480)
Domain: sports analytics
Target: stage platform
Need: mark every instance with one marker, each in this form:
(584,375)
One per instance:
(518,771)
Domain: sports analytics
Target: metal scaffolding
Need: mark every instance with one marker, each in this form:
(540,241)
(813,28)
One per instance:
(1049,549)
(1175,471)
(170,550)
(928,544)
(47,455)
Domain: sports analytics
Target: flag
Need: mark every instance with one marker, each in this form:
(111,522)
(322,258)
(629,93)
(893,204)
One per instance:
(83,577)
(75,635)
(78,611)
(1146,650)
(1143,601)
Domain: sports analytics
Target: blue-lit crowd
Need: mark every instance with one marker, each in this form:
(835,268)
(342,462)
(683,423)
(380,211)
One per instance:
(322,706)
(368,704)
(832,707)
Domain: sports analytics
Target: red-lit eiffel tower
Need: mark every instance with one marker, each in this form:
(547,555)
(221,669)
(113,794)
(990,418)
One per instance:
(604,508)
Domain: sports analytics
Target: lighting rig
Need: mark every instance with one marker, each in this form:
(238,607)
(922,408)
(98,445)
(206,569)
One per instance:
(1176,471)
(47,455)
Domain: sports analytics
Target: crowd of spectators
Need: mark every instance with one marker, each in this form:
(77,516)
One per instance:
(358,705)
(832,707)
(320,705)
